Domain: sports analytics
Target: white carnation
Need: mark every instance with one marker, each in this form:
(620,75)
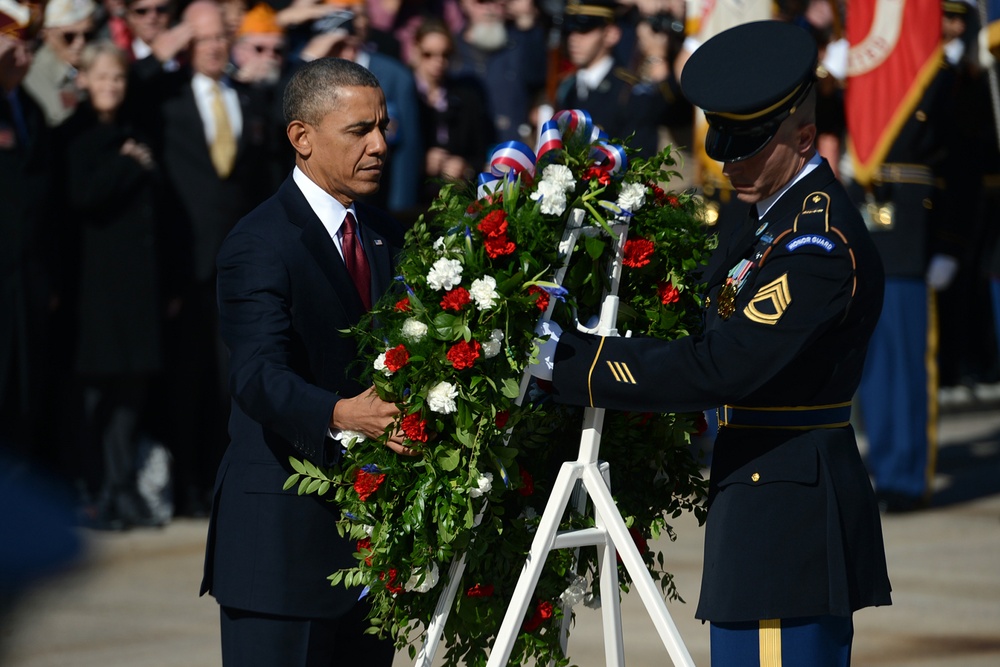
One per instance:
(575,593)
(430,580)
(632,196)
(552,196)
(484,292)
(439,245)
(492,347)
(348,438)
(445,274)
(379,365)
(561,176)
(414,329)
(441,398)
(485,483)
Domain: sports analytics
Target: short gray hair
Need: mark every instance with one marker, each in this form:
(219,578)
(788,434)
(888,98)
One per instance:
(103,47)
(314,89)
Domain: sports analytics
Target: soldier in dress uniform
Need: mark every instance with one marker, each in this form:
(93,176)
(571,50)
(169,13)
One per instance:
(916,225)
(618,101)
(793,542)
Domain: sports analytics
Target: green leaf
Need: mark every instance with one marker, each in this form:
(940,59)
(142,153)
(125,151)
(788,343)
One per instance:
(291,481)
(303,485)
(511,388)
(449,460)
(297,465)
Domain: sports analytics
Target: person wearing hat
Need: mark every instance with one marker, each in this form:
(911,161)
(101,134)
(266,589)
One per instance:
(68,27)
(793,541)
(618,101)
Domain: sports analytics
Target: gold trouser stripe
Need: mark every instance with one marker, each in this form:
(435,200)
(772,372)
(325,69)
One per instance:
(614,371)
(590,375)
(932,390)
(770,642)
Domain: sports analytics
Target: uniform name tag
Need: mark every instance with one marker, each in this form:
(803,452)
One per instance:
(810,239)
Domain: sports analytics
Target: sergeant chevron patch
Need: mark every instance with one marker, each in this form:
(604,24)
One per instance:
(621,372)
(770,302)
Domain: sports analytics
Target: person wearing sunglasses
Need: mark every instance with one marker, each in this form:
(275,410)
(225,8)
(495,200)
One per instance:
(68,27)
(258,54)
(146,20)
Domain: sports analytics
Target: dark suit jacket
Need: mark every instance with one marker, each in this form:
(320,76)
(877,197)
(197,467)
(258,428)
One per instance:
(27,243)
(202,206)
(284,297)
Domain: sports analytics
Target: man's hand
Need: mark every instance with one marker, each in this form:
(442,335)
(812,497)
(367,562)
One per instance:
(169,44)
(368,414)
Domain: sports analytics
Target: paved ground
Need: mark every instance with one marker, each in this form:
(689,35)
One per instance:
(135,604)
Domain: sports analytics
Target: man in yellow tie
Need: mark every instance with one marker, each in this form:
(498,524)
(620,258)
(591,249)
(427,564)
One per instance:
(214,158)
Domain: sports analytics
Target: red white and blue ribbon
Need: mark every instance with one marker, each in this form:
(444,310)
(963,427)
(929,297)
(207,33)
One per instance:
(512,158)
(509,159)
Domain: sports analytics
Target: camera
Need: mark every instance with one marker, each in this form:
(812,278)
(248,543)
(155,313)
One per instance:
(664,22)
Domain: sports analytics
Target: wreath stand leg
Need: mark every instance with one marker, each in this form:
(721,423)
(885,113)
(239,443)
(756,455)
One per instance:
(609,534)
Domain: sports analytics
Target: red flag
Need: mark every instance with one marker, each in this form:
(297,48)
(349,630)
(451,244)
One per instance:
(895,51)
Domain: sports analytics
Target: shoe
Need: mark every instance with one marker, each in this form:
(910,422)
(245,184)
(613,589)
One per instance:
(893,502)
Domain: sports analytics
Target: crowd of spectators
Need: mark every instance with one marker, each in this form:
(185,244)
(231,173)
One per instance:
(147,128)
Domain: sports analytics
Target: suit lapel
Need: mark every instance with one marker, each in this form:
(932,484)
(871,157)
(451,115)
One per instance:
(318,243)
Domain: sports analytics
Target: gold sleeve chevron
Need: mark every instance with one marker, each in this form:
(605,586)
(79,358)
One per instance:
(770,302)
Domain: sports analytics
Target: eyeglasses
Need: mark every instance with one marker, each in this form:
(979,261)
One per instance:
(272,50)
(161,10)
(71,37)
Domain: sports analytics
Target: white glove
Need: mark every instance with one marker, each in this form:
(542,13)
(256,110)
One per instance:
(542,369)
(941,272)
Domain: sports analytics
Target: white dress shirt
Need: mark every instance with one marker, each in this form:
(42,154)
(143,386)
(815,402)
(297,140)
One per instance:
(329,211)
(202,87)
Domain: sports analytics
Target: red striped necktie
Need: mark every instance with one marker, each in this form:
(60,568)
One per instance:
(354,258)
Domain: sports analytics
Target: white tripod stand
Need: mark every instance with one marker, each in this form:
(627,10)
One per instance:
(609,533)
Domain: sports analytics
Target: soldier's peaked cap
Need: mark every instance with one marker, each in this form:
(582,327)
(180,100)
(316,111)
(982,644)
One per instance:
(747,80)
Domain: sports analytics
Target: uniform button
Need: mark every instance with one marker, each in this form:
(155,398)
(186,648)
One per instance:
(755,477)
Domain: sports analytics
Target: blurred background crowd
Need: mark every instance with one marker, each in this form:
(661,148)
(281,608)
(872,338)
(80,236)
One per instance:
(135,133)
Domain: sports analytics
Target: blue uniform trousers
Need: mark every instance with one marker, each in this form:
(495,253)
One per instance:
(898,392)
(816,641)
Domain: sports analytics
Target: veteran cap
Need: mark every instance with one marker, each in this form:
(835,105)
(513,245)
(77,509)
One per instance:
(585,15)
(747,80)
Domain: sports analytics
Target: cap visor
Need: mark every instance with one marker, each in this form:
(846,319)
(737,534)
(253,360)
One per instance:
(726,147)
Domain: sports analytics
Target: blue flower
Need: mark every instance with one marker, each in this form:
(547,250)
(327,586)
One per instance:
(370,467)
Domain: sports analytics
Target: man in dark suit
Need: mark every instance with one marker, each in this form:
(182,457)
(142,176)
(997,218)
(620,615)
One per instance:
(212,146)
(292,276)
(793,542)
(25,246)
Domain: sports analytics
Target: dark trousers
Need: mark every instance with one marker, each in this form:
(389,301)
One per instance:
(816,641)
(250,639)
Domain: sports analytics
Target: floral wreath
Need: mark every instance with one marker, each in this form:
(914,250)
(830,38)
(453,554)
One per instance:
(450,347)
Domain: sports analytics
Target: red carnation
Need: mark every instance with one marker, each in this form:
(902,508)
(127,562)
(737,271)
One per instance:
(499,245)
(640,542)
(403,305)
(474,208)
(501,419)
(668,293)
(391,585)
(366,483)
(543,612)
(494,224)
(365,545)
(701,423)
(658,193)
(543,297)
(464,354)
(637,252)
(480,591)
(598,174)
(396,358)
(673,201)
(527,483)
(455,299)
(414,428)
